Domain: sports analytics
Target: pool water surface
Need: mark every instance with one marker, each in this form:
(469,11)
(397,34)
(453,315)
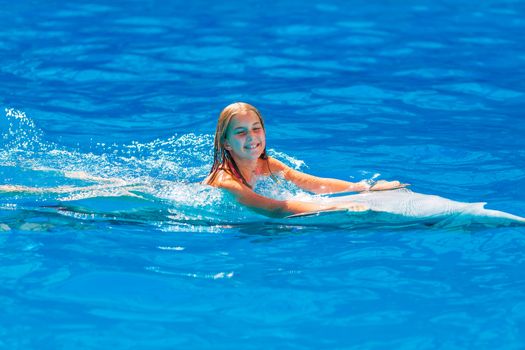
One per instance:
(116,103)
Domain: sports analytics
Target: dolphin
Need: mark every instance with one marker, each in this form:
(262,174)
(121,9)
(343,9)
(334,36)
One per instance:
(404,207)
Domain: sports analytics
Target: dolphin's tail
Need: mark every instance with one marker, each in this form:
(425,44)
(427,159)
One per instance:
(479,214)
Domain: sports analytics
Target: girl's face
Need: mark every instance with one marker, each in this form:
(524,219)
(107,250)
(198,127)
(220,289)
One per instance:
(245,138)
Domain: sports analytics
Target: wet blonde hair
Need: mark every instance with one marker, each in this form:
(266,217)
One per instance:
(222,159)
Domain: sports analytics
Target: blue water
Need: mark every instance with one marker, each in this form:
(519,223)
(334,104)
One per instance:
(431,93)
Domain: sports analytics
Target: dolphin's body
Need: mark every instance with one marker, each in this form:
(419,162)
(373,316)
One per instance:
(404,207)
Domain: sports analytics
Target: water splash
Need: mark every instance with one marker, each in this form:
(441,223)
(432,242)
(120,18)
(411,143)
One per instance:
(178,158)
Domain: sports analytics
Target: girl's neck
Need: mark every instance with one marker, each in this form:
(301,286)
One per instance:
(247,167)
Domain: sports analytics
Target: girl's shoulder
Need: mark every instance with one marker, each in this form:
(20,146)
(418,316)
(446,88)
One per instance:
(221,178)
(276,165)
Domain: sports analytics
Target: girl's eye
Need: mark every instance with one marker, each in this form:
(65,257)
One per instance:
(241,133)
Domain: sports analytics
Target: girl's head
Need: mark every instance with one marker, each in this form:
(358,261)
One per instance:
(240,134)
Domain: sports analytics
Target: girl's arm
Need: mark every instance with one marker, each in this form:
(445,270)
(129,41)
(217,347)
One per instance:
(277,208)
(320,185)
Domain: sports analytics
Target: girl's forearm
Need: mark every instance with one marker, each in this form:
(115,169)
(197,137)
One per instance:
(335,185)
(281,209)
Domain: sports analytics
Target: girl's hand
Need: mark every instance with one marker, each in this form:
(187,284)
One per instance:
(383,185)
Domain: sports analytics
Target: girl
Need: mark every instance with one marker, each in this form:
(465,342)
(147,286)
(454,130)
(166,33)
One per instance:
(240,157)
